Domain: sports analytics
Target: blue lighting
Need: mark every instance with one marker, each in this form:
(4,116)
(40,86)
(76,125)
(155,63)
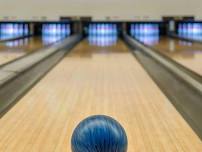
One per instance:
(13,30)
(17,43)
(147,33)
(47,39)
(190,30)
(148,39)
(56,29)
(102,29)
(144,29)
(103,41)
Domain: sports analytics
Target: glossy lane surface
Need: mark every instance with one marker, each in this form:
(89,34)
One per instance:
(14,49)
(185,53)
(96,80)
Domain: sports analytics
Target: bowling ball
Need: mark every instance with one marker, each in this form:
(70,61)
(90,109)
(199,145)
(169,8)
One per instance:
(99,133)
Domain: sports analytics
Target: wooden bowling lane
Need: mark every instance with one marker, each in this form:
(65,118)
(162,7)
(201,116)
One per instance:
(89,81)
(14,49)
(185,53)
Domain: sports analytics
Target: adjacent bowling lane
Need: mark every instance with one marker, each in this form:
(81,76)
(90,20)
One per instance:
(190,30)
(14,49)
(9,36)
(13,30)
(197,37)
(185,53)
(96,80)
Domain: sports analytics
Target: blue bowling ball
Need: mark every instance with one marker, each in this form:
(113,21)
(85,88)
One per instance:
(99,133)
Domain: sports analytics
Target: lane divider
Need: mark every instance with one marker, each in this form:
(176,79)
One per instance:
(172,67)
(16,78)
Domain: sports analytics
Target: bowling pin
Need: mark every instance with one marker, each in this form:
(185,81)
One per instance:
(46,29)
(132,29)
(157,30)
(98,29)
(2,29)
(103,29)
(63,32)
(68,29)
(115,29)
(108,29)
(139,29)
(94,28)
(142,29)
(19,29)
(145,29)
(183,29)
(135,30)
(56,31)
(200,27)
(179,29)
(89,31)
(43,29)
(50,29)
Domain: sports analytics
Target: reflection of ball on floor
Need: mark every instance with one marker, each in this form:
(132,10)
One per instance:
(99,134)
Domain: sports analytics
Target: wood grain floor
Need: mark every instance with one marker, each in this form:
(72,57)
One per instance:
(91,81)
(185,53)
(14,49)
